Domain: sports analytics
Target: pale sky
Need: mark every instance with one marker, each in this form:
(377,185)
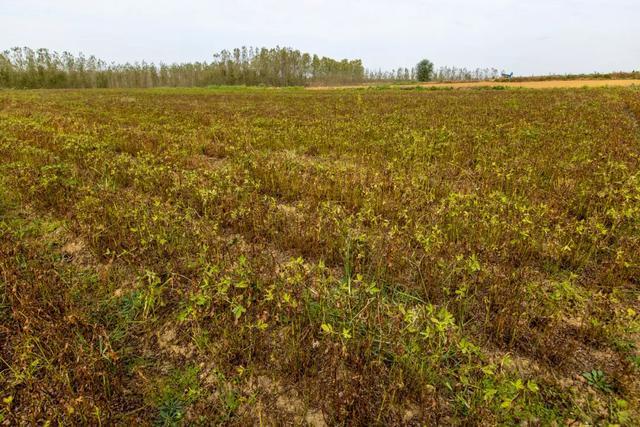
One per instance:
(526,37)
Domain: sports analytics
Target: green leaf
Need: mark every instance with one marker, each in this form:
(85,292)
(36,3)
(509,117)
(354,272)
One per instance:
(242,284)
(506,404)
(327,328)
(489,394)
(238,310)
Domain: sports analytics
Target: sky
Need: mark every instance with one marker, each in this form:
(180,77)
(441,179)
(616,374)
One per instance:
(526,37)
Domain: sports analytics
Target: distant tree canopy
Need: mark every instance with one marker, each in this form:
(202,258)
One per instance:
(442,74)
(280,66)
(424,70)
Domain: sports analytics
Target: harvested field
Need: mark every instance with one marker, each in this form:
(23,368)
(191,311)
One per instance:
(546,84)
(291,257)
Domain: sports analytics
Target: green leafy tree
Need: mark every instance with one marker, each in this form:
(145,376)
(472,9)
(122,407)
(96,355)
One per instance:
(424,70)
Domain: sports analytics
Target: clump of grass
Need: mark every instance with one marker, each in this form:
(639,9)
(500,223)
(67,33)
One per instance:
(174,394)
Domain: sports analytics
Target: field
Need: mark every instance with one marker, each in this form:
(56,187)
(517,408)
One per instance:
(292,257)
(516,83)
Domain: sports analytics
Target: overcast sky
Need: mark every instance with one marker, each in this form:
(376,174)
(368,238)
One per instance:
(526,37)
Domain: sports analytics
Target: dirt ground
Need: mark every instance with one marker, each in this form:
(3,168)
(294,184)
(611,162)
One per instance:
(532,84)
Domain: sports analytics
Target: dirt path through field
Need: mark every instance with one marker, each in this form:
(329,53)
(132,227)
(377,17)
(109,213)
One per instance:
(532,84)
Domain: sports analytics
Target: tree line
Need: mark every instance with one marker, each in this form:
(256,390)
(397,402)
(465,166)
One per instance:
(22,67)
(440,74)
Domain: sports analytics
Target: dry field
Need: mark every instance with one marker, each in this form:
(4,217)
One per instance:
(545,84)
(292,257)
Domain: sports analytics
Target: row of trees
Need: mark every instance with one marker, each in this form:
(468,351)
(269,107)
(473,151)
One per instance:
(280,66)
(425,71)
(400,74)
(459,74)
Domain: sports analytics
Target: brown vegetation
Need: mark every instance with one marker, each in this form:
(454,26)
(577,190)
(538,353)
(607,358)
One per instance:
(342,257)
